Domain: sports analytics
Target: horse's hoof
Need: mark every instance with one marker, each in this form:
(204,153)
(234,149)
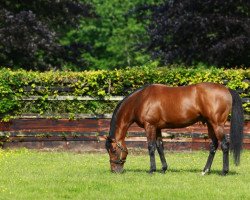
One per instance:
(164,169)
(224,173)
(207,171)
(152,171)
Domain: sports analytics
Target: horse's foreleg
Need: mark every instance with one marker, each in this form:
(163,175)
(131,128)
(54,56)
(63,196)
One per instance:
(160,149)
(212,151)
(151,150)
(151,136)
(225,150)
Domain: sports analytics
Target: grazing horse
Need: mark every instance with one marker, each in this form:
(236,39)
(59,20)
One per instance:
(155,107)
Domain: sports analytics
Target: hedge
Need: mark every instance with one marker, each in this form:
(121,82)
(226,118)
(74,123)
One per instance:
(20,84)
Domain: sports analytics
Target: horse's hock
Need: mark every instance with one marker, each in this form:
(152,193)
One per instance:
(86,134)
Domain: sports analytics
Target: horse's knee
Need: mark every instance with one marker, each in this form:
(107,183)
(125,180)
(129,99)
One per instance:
(225,145)
(159,143)
(151,147)
(213,147)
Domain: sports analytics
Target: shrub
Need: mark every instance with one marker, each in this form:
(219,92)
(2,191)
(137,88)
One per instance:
(20,84)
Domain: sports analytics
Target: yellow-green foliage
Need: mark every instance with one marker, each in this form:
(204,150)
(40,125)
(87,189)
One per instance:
(14,85)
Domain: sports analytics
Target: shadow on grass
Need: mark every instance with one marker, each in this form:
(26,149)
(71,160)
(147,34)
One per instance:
(218,172)
(195,171)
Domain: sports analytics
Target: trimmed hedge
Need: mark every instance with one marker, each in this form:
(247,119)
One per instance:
(15,85)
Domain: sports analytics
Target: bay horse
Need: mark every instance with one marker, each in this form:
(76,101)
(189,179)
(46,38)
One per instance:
(155,107)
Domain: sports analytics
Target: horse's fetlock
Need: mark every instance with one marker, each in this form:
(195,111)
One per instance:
(205,171)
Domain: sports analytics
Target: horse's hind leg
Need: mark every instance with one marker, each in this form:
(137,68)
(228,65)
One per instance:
(160,149)
(151,136)
(212,150)
(225,150)
(219,131)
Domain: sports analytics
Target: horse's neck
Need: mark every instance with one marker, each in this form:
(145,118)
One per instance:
(124,116)
(123,122)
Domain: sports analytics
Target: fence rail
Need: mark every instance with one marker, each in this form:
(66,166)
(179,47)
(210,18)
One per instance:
(79,98)
(88,98)
(87,134)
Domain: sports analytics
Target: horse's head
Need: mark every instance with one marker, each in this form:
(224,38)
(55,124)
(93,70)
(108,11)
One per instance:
(117,154)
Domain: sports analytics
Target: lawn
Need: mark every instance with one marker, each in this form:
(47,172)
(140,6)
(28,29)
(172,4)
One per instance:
(28,174)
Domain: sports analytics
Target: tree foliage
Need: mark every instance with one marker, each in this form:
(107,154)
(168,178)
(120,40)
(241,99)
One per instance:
(210,31)
(29,31)
(111,39)
(97,34)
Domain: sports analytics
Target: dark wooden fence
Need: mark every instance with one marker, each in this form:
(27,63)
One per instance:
(87,134)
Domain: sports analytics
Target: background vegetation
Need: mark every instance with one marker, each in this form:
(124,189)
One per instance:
(174,42)
(20,84)
(212,32)
(99,34)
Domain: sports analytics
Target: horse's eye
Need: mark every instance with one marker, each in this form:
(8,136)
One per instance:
(112,150)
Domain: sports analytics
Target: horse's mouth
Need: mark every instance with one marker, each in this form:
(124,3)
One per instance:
(117,170)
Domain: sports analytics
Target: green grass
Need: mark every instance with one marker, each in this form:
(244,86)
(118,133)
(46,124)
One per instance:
(26,174)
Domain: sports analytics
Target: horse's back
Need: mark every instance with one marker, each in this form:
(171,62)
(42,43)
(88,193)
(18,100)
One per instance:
(165,106)
(181,106)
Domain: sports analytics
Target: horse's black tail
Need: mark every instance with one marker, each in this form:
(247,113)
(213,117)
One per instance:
(237,125)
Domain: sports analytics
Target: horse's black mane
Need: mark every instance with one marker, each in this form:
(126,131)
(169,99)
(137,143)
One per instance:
(114,117)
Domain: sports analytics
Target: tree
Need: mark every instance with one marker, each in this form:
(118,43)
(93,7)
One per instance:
(30,31)
(111,39)
(210,31)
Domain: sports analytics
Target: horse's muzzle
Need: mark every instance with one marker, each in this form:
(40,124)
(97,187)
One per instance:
(117,168)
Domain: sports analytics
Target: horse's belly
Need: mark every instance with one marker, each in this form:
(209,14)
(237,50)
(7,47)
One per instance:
(178,123)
